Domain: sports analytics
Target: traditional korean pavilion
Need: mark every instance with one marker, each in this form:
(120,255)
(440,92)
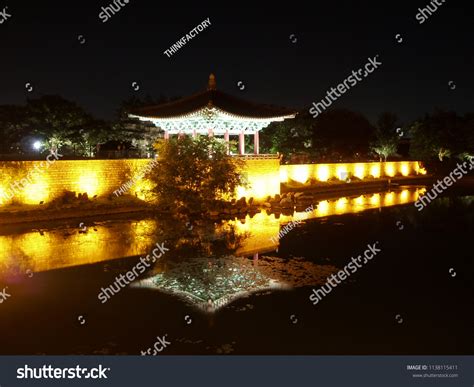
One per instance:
(214,113)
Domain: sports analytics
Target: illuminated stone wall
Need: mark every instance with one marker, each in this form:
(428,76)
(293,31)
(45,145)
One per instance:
(103,177)
(96,177)
(263,176)
(303,173)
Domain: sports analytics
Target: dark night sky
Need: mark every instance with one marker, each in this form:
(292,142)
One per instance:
(39,44)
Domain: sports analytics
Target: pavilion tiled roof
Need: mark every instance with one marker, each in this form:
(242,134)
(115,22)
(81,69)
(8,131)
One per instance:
(212,98)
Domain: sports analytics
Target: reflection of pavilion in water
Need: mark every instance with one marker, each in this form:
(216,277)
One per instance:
(59,248)
(213,283)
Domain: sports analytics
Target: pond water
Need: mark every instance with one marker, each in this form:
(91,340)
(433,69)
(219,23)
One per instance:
(235,287)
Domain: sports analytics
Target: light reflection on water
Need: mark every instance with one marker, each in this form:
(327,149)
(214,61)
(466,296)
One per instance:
(60,248)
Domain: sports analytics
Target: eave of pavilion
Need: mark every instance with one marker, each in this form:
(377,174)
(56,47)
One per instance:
(214,118)
(211,112)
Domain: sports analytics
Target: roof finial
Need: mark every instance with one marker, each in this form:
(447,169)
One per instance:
(212,82)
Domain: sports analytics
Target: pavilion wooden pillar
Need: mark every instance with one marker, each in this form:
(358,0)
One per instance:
(210,132)
(256,143)
(226,139)
(194,133)
(241,143)
(167,135)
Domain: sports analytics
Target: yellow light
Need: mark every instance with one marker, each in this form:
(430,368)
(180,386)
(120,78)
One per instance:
(341,205)
(389,169)
(3,195)
(89,183)
(375,170)
(404,196)
(322,172)
(53,250)
(341,172)
(323,208)
(283,174)
(259,232)
(389,199)
(419,192)
(416,166)
(36,192)
(404,169)
(375,199)
(141,188)
(259,189)
(359,200)
(359,171)
(263,178)
(300,173)
(241,192)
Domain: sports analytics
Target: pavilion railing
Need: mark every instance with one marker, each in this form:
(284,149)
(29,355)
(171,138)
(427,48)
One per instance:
(257,157)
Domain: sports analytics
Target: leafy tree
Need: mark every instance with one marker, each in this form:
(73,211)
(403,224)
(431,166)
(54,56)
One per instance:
(12,127)
(439,135)
(468,136)
(335,135)
(386,137)
(141,134)
(341,134)
(194,174)
(55,119)
(289,137)
(86,140)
